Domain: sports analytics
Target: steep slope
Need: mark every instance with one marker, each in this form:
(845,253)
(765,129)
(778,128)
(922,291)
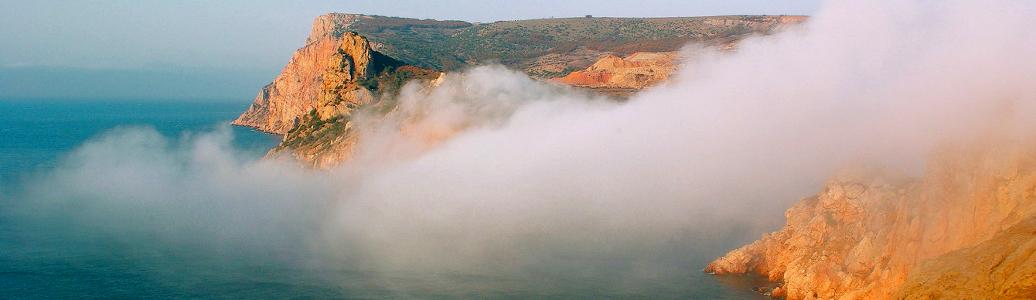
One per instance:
(334,73)
(862,236)
(325,137)
(1003,267)
(298,87)
(315,116)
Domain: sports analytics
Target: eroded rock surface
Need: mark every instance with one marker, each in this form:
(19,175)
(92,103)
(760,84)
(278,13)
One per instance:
(1002,267)
(356,78)
(312,101)
(863,236)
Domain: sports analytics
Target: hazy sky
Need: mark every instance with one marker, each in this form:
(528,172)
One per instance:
(228,49)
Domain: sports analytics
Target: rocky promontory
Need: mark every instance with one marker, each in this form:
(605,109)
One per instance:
(352,62)
(299,86)
(354,77)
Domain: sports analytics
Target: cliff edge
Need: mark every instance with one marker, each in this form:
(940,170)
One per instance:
(298,88)
(336,73)
(355,77)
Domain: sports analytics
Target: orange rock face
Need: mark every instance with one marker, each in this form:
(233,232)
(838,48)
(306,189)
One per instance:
(312,100)
(1002,267)
(357,78)
(637,71)
(866,237)
(298,88)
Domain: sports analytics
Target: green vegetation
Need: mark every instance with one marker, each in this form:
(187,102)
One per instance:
(450,45)
(310,129)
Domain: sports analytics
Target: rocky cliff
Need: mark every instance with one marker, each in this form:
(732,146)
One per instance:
(325,136)
(312,100)
(298,87)
(965,228)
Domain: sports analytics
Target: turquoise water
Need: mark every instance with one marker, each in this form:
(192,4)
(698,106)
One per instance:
(43,256)
(34,133)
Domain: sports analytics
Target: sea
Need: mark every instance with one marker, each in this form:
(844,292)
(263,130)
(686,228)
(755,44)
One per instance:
(51,260)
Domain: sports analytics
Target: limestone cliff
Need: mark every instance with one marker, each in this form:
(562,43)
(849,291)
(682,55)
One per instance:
(325,136)
(311,102)
(297,88)
(355,77)
(865,237)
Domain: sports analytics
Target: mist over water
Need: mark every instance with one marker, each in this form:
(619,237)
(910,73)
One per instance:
(527,188)
(189,217)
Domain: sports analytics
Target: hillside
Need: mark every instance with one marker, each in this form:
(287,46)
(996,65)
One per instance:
(543,47)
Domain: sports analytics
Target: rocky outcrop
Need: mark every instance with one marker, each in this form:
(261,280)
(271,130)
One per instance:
(347,81)
(330,26)
(300,85)
(636,71)
(325,137)
(865,237)
(357,78)
(311,102)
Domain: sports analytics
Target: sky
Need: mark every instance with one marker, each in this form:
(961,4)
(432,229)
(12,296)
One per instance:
(149,49)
